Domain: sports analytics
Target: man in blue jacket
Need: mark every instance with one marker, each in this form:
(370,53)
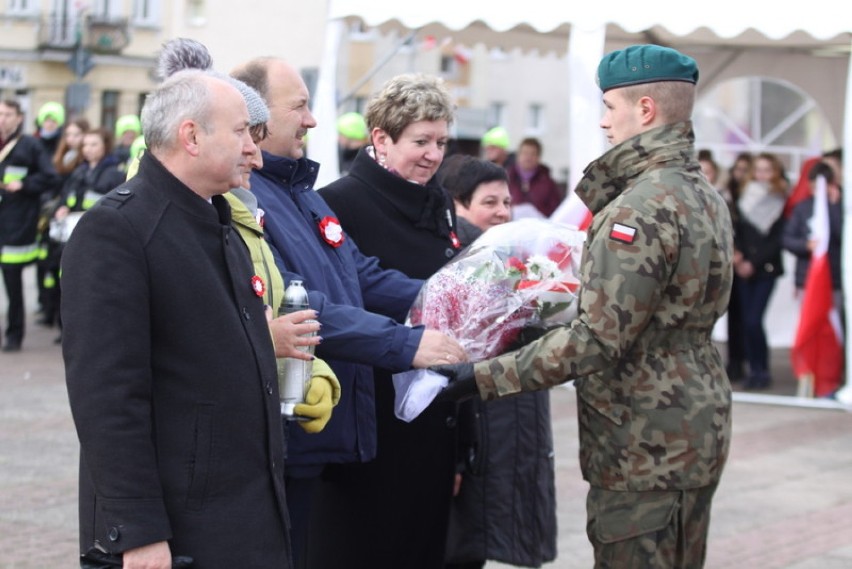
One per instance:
(360,305)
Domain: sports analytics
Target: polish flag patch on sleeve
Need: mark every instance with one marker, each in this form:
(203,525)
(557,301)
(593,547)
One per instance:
(623,233)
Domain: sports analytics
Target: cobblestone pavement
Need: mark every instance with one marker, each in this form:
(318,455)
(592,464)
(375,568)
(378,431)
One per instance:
(785,500)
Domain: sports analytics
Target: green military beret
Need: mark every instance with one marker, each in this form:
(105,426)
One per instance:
(646,63)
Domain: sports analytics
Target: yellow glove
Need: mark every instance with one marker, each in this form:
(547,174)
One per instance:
(322,395)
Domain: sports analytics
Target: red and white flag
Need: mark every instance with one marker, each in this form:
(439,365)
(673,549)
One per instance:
(572,211)
(818,348)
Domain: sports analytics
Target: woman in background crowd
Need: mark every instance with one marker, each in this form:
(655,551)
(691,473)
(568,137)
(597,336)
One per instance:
(757,258)
(68,154)
(737,175)
(530,181)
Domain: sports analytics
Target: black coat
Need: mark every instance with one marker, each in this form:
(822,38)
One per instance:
(506,508)
(19,210)
(762,250)
(797,234)
(87,183)
(172,380)
(393,511)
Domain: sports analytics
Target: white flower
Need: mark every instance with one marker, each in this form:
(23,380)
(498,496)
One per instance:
(540,268)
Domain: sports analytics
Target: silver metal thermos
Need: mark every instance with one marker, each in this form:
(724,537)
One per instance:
(294,374)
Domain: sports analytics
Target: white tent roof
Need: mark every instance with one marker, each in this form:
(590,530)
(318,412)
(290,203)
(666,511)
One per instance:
(724,18)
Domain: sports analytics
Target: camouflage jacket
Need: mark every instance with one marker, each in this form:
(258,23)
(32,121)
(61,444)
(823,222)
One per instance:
(654,402)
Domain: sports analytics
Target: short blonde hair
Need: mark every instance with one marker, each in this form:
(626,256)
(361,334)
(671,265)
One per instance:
(675,99)
(407,99)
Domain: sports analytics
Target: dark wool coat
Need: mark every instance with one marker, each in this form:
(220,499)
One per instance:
(506,508)
(87,183)
(19,210)
(393,511)
(171,377)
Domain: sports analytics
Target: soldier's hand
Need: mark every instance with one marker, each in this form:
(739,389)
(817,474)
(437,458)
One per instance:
(462,383)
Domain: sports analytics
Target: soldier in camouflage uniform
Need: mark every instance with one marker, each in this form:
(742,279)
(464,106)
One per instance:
(653,396)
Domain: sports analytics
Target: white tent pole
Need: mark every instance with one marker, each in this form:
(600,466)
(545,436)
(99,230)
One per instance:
(322,141)
(845,393)
(585,138)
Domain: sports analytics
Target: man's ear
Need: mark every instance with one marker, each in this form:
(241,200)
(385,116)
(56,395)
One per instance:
(188,137)
(647,110)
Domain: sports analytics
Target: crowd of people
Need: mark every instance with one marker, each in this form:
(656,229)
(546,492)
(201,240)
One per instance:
(49,179)
(769,217)
(201,210)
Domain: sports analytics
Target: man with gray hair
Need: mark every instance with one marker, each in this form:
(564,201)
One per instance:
(182,451)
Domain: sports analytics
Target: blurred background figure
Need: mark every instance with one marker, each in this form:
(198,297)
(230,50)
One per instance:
(834,158)
(352,136)
(797,236)
(495,147)
(49,122)
(731,190)
(68,153)
(98,173)
(67,157)
(757,257)
(709,167)
(25,173)
(530,183)
(502,468)
(127,129)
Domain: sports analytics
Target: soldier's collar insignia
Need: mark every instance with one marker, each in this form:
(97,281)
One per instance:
(623,233)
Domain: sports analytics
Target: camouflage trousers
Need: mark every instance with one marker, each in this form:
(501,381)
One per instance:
(649,530)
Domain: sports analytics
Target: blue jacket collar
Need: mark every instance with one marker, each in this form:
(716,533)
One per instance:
(290,172)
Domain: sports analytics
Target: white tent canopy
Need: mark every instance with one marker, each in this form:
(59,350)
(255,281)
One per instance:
(744,29)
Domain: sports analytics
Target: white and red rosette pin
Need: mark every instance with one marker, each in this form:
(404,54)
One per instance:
(331,231)
(258,286)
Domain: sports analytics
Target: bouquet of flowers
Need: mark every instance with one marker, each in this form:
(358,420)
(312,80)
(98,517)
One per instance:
(516,275)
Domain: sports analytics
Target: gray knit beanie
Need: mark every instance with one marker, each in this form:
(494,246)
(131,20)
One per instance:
(257,109)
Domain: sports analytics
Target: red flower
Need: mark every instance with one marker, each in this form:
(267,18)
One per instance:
(258,286)
(331,231)
(517,264)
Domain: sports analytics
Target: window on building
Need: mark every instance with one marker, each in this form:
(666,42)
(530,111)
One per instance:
(22,7)
(106,9)
(535,118)
(109,108)
(146,12)
(196,12)
(758,114)
(360,104)
(497,113)
(448,65)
